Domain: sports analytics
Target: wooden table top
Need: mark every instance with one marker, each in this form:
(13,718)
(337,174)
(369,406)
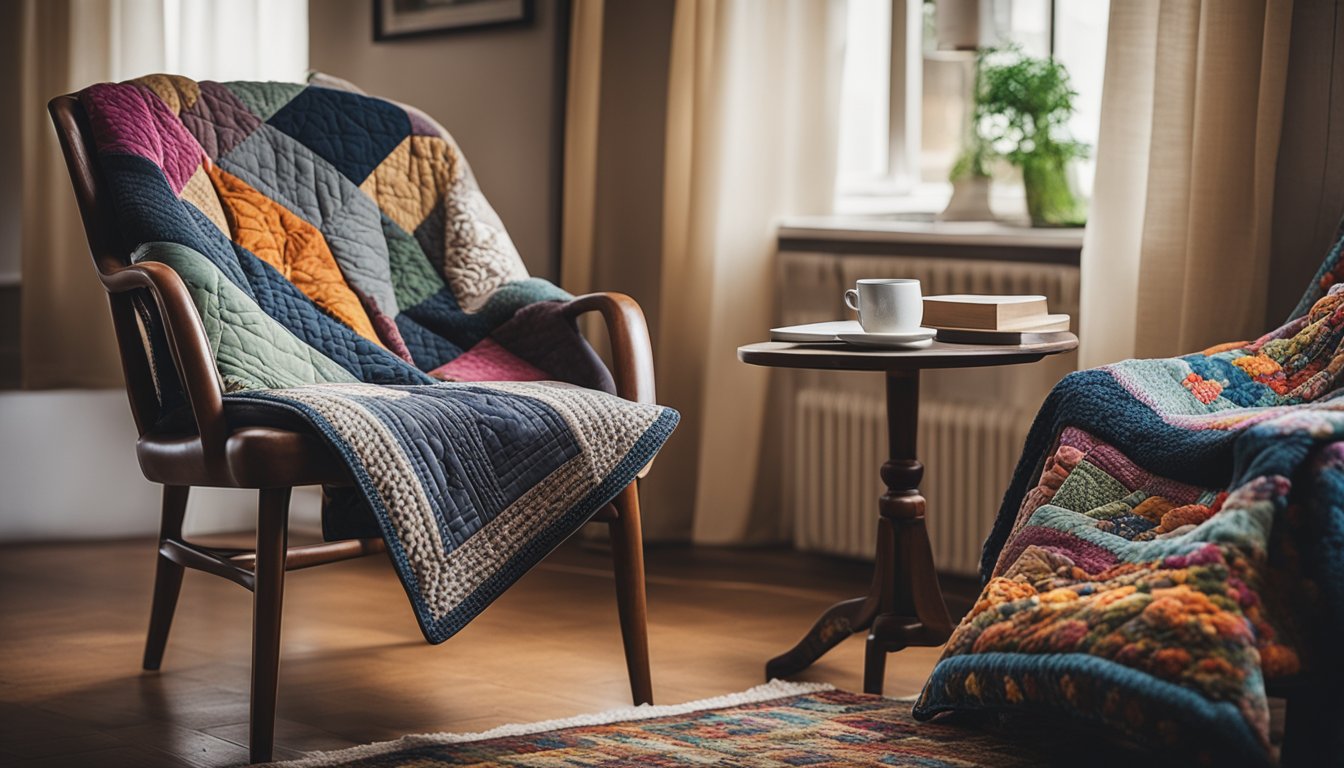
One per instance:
(844,357)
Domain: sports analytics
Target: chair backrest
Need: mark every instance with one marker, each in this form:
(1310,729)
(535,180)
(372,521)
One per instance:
(133,315)
(76,137)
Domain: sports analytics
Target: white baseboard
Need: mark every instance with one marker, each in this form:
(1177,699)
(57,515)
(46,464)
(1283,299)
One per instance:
(68,471)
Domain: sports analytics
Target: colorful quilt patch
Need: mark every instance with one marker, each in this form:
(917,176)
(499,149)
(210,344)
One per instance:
(345,265)
(1172,543)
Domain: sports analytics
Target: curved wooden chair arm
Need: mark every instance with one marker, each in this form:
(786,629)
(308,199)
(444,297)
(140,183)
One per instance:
(632,354)
(188,345)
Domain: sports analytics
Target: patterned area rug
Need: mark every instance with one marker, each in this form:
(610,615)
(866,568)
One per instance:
(777,724)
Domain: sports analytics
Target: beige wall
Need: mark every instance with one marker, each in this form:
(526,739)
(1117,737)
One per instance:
(495,90)
(628,226)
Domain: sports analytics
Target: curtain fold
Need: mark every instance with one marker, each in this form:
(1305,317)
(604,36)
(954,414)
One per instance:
(751,136)
(1176,254)
(66,333)
(583,98)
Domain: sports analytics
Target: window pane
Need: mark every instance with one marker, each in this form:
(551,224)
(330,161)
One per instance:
(1080,43)
(1078,29)
(1025,23)
(864,92)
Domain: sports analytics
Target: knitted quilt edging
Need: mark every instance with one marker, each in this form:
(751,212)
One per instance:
(581,448)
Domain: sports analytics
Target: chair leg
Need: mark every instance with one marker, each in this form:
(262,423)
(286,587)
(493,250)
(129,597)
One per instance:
(167,576)
(268,592)
(627,554)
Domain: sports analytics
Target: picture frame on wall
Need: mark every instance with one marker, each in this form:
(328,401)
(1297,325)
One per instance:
(394,19)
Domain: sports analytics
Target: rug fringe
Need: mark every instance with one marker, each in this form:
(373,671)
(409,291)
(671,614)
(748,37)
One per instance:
(775,689)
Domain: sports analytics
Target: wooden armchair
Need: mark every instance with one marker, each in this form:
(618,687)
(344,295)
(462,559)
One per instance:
(219,449)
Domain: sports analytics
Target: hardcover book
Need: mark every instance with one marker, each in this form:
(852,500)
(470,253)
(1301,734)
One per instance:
(983,312)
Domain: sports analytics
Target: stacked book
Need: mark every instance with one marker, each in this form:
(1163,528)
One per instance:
(965,318)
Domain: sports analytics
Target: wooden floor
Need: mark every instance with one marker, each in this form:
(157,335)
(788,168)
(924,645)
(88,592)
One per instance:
(355,667)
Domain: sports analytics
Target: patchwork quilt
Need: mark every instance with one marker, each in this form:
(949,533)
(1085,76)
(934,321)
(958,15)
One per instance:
(350,275)
(1172,543)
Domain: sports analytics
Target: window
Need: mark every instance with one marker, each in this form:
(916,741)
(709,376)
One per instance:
(904,102)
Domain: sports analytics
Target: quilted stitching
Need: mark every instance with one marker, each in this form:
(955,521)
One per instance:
(413,277)
(129,119)
(300,180)
(489,360)
(478,255)
(353,133)
(291,245)
(175,91)
(252,350)
(441,314)
(147,210)
(309,224)
(428,349)
(200,192)
(264,99)
(218,120)
(413,178)
(281,300)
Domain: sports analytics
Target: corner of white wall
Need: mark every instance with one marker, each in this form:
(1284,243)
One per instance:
(68,471)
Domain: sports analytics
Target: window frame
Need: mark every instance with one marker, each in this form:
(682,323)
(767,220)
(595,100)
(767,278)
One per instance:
(905,103)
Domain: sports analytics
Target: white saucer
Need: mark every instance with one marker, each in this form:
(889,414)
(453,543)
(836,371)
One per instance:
(813,333)
(910,340)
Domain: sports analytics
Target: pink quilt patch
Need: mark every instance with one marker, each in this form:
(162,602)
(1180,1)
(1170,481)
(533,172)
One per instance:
(488,361)
(129,119)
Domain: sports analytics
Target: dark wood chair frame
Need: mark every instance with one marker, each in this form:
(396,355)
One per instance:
(216,453)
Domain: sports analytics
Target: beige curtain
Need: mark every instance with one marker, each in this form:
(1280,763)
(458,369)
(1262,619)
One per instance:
(751,136)
(66,337)
(1176,253)
(65,331)
(582,101)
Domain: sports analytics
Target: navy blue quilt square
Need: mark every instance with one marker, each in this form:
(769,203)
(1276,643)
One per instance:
(475,451)
(354,133)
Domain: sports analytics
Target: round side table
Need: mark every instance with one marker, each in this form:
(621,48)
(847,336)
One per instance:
(904,606)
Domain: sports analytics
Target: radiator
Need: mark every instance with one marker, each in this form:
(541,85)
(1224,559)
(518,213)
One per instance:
(841,441)
(972,423)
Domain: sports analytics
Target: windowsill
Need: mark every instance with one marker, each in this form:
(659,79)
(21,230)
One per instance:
(922,229)
(910,218)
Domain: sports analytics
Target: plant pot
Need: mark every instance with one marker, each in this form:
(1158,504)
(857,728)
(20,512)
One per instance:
(970,200)
(1051,201)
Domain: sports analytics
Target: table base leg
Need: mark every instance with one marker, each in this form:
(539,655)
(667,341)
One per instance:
(837,623)
(904,606)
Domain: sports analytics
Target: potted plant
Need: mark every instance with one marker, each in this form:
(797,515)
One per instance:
(1023,106)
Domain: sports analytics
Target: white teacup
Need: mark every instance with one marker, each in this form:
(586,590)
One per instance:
(887,305)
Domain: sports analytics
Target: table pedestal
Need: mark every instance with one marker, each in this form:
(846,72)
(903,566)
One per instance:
(904,606)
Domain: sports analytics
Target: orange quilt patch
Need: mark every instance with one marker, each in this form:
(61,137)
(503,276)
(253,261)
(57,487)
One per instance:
(293,246)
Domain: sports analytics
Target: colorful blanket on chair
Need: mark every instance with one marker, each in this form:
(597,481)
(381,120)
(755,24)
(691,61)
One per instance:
(1172,543)
(345,265)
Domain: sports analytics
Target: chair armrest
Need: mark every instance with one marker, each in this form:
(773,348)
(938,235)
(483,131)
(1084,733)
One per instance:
(189,347)
(631,352)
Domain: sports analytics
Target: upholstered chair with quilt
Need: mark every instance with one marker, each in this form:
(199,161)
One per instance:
(308,288)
